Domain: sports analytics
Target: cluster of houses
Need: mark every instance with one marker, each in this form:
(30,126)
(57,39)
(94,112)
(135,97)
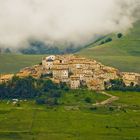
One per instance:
(77,72)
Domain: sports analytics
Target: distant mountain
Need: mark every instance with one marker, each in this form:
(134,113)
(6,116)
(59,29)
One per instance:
(38,47)
(122,51)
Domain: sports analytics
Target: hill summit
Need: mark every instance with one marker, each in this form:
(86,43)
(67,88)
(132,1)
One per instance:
(76,71)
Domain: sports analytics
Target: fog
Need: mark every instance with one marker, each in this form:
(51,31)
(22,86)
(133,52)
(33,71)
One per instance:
(63,21)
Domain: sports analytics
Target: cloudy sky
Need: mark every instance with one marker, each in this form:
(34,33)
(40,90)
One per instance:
(59,21)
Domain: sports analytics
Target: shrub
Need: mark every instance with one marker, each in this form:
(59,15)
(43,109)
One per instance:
(55,94)
(40,101)
(93,108)
(102,42)
(88,100)
(111,109)
(107,126)
(49,85)
(119,35)
(52,101)
(118,84)
(28,87)
(108,40)
(63,86)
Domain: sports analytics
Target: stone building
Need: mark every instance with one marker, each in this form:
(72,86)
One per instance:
(74,82)
(129,78)
(96,84)
(76,70)
(34,71)
(47,64)
(61,74)
(6,77)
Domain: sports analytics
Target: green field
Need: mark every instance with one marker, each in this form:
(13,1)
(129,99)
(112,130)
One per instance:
(123,53)
(35,122)
(11,63)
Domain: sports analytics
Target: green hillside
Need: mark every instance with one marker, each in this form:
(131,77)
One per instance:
(29,121)
(123,53)
(10,63)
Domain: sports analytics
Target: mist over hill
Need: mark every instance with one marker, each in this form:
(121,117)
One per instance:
(62,23)
(122,53)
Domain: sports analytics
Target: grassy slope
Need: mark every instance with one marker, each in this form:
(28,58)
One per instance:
(34,122)
(121,53)
(12,63)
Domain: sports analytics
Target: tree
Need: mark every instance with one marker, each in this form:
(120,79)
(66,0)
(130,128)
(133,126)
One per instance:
(48,85)
(4,91)
(108,40)
(7,50)
(52,101)
(118,84)
(88,100)
(63,86)
(119,35)
(30,88)
(102,42)
(54,94)
(40,101)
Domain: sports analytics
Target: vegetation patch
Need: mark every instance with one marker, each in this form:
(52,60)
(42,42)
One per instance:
(119,85)
(67,122)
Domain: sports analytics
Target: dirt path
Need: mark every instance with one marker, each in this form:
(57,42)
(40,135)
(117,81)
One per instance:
(107,101)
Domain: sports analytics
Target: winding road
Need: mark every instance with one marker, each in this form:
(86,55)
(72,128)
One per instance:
(107,101)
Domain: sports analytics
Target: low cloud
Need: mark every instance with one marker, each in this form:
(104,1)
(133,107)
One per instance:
(63,21)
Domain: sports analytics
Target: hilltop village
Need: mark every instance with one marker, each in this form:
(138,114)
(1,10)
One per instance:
(76,71)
